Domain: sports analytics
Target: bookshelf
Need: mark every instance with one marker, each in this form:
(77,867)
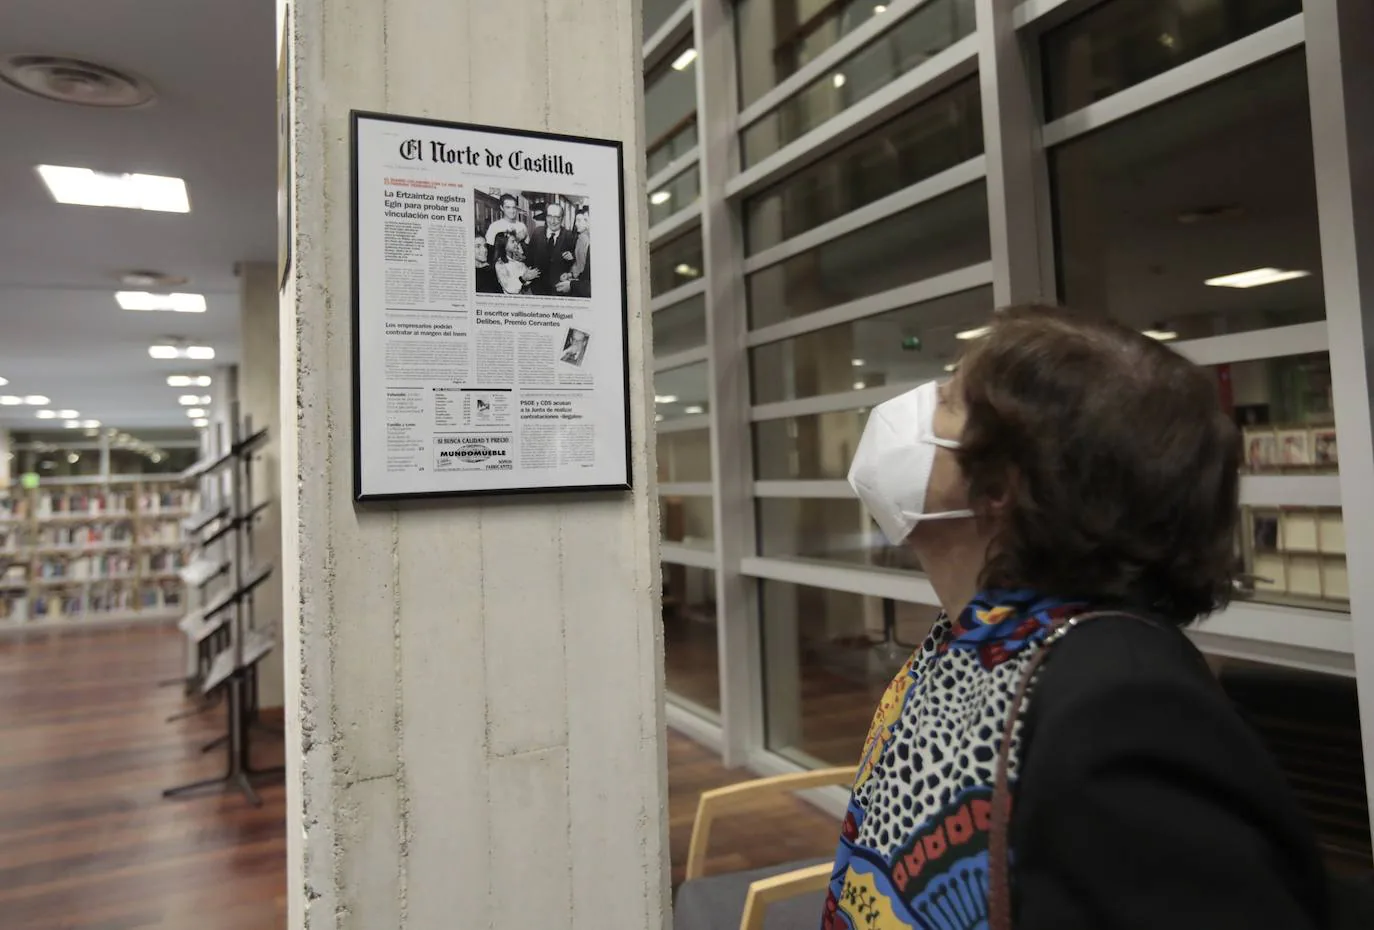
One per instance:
(84,556)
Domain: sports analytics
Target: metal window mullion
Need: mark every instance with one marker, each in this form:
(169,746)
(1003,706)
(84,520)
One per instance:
(1239,55)
(741,662)
(679,222)
(1019,213)
(677,295)
(675,167)
(1276,342)
(667,36)
(1340,69)
(1041,15)
(680,359)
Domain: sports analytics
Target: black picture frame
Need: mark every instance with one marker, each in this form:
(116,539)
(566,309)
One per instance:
(356,117)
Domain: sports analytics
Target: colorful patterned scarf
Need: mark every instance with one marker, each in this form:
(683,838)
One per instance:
(913,850)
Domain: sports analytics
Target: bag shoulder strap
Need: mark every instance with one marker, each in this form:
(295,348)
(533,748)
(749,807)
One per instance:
(999,882)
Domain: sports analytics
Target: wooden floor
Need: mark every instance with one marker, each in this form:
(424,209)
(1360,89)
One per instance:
(88,843)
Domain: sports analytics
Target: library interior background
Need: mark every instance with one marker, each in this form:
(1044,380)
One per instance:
(824,233)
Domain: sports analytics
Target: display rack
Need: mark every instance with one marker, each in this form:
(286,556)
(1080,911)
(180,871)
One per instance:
(80,556)
(226,638)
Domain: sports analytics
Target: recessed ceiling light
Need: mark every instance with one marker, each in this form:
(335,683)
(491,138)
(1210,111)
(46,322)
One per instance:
(684,61)
(188,381)
(952,366)
(195,413)
(658,198)
(978,333)
(1163,335)
(164,351)
(1257,277)
(72,424)
(91,424)
(200,423)
(879,9)
(87,188)
(189,400)
(686,270)
(665,398)
(46,414)
(694,409)
(200,352)
(859,385)
(837,80)
(35,400)
(4,381)
(857,362)
(68,414)
(10,400)
(145,300)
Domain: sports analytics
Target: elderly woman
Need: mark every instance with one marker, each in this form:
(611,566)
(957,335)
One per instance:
(1072,493)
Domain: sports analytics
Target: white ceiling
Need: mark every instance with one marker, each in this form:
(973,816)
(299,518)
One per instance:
(213,65)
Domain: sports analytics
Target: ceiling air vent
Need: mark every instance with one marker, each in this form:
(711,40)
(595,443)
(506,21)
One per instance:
(70,80)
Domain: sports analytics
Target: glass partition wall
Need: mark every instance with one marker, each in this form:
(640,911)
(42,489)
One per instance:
(838,196)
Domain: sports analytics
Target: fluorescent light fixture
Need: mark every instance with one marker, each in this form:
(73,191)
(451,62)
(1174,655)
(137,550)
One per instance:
(46,414)
(190,400)
(952,366)
(200,423)
(36,400)
(1163,335)
(68,414)
(658,198)
(165,351)
(156,458)
(91,424)
(73,458)
(4,381)
(1257,277)
(87,188)
(686,270)
(205,399)
(10,400)
(200,352)
(188,380)
(146,300)
(72,424)
(859,385)
(162,351)
(684,61)
(195,412)
(978,333)
(695,408)
(857,362)
(879,9)
(665,398)
(837,80)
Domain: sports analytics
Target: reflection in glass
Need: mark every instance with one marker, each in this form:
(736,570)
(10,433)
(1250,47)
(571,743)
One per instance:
(920,37)
(690,652)
(670,96)
(687,521)
(1295,556)
(682,392)
(777,37)
(833,529)
(1284,409)
(675,262)
(677,194)
(1211,184)
(1121,43)
(829,656)
(656,13)
(932,238)
(671,148)
(680,327)
(817,447)
(936,134)
(906,346)
(684,456)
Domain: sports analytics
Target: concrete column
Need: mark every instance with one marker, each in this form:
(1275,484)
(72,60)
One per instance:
(260,401)
(474,689)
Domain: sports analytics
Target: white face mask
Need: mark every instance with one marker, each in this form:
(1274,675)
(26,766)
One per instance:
(891,469)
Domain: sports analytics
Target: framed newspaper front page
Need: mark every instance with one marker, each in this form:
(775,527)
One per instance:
(490,350)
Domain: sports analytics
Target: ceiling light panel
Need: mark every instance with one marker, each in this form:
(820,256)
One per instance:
(87,188)
(175,303)
(1256,277)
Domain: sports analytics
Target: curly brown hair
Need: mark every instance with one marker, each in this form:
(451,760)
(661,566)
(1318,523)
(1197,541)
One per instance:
(1110,463)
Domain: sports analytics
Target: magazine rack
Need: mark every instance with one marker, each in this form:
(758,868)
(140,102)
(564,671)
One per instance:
(226,638)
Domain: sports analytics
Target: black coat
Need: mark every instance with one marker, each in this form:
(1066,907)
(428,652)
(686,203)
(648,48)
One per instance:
(1144,800)
(546,254)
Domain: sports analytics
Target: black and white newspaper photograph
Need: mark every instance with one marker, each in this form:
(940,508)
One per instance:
(485,362)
